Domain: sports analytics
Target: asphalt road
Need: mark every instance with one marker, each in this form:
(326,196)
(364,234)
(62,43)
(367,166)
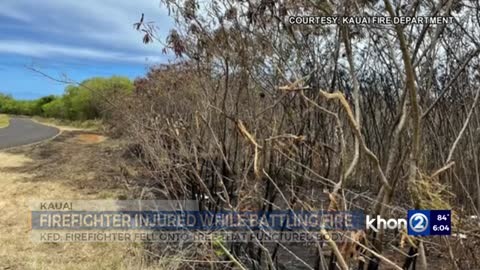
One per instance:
(24,131)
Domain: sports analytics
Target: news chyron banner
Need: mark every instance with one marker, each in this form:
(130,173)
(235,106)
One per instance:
(182,221)
(172,221)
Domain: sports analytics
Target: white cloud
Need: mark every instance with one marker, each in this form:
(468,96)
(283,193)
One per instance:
(91,29)
(33,49)
(14,13)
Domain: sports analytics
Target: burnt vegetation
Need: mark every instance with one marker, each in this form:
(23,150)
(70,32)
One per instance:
(259,114)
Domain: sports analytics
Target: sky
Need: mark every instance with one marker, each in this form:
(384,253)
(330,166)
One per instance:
(75,39)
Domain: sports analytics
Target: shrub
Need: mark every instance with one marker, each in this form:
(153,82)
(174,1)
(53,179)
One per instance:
(89,100)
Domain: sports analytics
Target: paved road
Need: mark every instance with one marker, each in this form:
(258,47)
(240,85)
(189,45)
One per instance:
(24,131)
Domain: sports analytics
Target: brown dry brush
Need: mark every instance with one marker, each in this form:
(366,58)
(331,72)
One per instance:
(265,115)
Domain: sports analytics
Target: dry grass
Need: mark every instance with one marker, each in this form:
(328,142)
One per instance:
(17,251)
(67,125)
(11,160)
(4,121)
(60,169)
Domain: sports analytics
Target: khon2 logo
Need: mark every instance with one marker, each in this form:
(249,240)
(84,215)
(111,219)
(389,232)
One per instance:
(417,223)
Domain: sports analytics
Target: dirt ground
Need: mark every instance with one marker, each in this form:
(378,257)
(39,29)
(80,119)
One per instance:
(75,165)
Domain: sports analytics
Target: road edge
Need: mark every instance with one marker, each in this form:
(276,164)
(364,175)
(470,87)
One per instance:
(34,143)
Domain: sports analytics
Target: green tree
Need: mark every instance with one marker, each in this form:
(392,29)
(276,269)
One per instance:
(55,108)
(89,100)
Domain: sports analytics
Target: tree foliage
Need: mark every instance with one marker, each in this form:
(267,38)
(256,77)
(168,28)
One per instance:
(88,100)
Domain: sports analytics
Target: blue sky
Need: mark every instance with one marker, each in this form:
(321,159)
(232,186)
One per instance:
(77,39)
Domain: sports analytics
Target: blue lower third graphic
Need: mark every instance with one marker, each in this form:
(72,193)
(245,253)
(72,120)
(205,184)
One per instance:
(198,220)
(429,222)
(440,222)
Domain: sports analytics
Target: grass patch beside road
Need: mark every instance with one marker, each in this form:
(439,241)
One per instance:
(61,169)
(4,120)
(92,125)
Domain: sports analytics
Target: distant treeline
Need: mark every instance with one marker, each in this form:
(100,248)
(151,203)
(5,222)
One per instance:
(79,102)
